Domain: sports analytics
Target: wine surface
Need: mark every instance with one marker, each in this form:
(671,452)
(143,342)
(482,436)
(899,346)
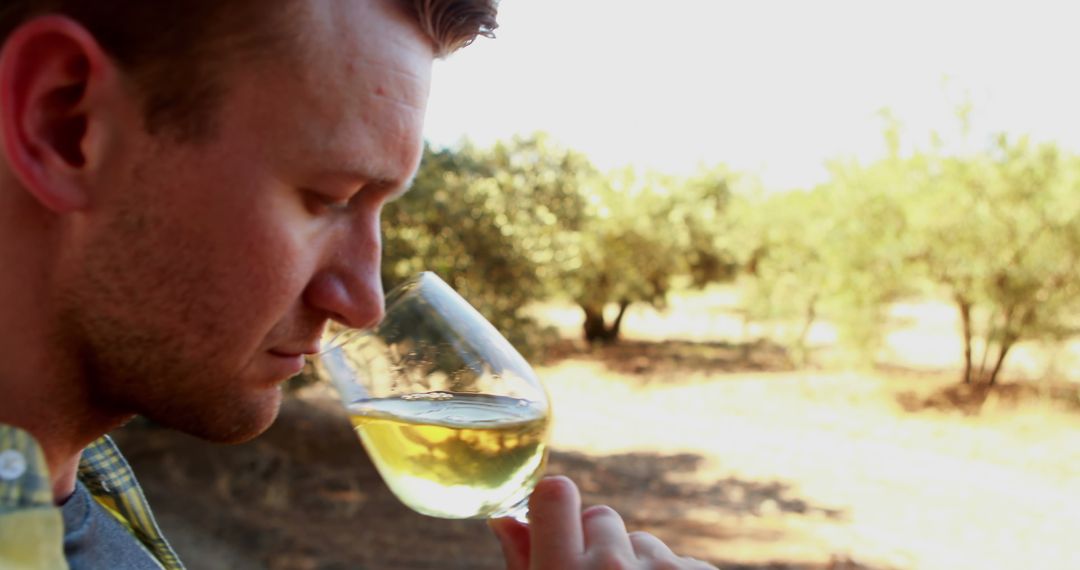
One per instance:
(455,455)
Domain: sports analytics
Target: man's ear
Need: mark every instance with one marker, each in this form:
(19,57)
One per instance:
(54,77)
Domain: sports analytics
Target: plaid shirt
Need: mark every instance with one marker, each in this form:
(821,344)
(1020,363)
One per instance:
(31,526)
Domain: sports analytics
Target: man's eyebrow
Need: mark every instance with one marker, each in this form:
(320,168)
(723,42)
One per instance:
(367,180)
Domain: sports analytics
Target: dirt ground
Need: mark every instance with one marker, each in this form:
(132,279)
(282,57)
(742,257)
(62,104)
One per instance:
(721,449)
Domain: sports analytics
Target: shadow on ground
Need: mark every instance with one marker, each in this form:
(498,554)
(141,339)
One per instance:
(654,361)
(941,391)
(970,399)
(657,487)
(305,496)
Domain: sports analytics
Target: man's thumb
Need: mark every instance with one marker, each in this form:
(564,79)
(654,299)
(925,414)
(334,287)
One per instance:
(514,537)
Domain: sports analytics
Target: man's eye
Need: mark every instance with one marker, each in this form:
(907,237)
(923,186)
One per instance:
(336,204)
(318,202)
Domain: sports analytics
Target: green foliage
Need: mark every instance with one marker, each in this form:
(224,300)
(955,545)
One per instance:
(1000,233)
(643,231)
(782,246)
(997,231)
(833,251)
(495,224)
(701,213)
(527,220)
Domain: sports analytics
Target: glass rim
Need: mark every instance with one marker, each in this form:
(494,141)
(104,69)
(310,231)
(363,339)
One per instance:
(333,339)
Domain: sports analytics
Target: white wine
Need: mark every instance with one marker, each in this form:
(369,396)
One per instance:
(455,455)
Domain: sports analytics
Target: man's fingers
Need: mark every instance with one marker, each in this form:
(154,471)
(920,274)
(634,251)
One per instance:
(605,531)
(561,536)
(695,564)
(555,523)
(648,547)
(514,538)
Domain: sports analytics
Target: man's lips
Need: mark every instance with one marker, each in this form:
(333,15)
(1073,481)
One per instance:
(293,351)
(285,363)
(289,360)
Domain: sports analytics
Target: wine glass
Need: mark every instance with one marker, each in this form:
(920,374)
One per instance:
(454,419)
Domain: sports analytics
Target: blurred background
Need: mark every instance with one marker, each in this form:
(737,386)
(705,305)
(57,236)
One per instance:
(802,278)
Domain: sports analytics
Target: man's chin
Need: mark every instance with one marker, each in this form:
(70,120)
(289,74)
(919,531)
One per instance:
(234,421)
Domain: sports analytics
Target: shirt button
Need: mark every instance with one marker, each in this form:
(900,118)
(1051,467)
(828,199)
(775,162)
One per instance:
(12,464)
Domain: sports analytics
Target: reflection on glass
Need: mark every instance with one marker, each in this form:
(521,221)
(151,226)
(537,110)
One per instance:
(453,417)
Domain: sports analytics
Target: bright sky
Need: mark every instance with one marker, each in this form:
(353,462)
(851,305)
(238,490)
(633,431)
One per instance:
(765,86)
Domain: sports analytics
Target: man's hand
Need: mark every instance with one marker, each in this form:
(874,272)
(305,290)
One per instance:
(560,536)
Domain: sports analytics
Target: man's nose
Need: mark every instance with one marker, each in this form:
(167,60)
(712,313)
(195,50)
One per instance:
(349,286)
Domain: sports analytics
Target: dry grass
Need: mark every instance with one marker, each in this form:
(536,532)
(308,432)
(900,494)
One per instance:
(883,487)
(991,481)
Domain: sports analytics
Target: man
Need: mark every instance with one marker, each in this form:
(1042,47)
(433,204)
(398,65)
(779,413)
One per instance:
(189,192)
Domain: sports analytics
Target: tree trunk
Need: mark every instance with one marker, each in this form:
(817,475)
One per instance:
(980,374)
(596,329)
(965,320)
(1006,344)
(808,322)
(1008,338)
(613,332)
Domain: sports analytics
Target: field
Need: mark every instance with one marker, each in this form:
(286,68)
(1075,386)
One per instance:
(699,435)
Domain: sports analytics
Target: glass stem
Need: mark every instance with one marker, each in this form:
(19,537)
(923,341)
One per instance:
(518,511)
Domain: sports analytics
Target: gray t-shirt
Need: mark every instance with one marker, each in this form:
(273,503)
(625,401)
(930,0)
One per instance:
(95,540)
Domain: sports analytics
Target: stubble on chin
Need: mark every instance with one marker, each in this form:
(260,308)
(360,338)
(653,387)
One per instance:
(229,420)
(123,373)
(142,339)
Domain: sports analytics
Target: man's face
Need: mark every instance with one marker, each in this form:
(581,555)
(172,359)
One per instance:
(203,272)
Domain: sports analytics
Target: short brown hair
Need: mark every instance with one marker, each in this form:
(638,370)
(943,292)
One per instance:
(454,24)
(174,48)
